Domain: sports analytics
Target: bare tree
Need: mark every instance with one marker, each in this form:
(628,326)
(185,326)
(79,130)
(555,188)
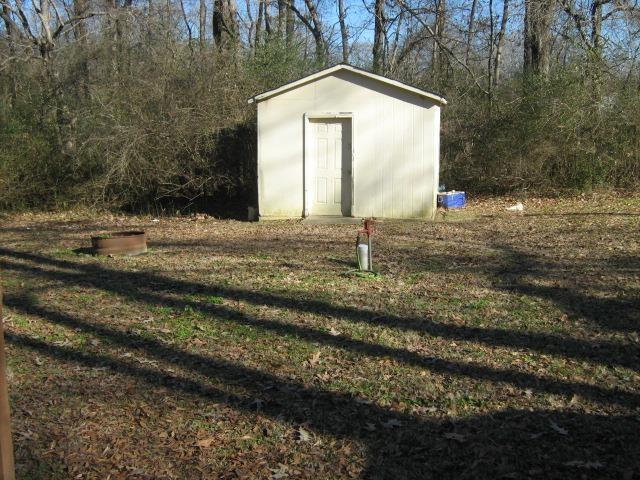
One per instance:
(202,24)
(538,17)
(315,27)
(490,55)
(500,42)
(439,55)
(379,36)
(282,17)
(187,24)
(12,40)
(43,27)
(452,55)
(261,9)
(470,32)
(267,19)
(224,26)
(290,24)
(589,23)
(344,31)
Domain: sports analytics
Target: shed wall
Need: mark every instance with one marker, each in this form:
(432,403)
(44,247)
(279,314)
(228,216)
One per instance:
(396,137)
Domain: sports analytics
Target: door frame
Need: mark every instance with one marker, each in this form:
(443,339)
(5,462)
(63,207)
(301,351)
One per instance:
(308,156)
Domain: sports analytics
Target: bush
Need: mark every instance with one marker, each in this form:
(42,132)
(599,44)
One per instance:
(546,136)
(133,117)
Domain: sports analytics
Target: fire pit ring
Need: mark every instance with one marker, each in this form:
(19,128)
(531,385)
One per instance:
(120,243)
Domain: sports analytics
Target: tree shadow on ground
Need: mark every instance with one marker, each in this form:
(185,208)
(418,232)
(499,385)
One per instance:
(583,214)
(159,290)
(508,444)
(505,444)
(524,273)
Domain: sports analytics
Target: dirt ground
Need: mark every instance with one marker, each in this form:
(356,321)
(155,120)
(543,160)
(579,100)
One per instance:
(491,345)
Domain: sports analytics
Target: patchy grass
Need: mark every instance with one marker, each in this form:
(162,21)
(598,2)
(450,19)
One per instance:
(491,345)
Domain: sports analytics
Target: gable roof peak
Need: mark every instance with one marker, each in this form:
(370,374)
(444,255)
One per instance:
(345,66)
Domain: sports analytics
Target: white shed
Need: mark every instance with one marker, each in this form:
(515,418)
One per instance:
(347,142)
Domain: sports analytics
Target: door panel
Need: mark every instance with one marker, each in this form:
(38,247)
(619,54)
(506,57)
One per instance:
(321,190)
(331,165)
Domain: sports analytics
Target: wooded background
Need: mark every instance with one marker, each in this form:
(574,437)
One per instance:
(143,105)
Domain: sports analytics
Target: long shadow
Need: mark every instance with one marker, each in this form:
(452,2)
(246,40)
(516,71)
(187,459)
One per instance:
(506,443)
(434,364)
(617,314)
(623,263)
(58,227)
(500,444)
(584,214)
(145,287)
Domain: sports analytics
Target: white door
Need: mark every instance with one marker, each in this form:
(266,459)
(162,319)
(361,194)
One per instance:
(331,159)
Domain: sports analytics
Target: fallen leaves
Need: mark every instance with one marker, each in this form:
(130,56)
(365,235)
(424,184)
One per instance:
(456,437)
(333,332)
(281,472)
(314,360)
(197,342)
(302,435)
(587,465)
(205,442)
(557,428)
(413,358)
(392,423)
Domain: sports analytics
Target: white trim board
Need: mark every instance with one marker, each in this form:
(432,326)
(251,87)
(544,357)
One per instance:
(339,67)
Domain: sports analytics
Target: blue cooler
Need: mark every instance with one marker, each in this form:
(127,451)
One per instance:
(452,199)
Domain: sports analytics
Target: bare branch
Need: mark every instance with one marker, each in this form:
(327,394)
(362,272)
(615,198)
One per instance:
(446,49)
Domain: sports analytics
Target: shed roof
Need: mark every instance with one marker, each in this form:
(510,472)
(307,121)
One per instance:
(342,66)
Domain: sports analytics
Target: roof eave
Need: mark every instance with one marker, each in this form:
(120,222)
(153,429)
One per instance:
(310,78)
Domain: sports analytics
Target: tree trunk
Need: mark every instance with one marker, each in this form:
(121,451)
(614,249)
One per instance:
(261,7)
(202,28)
(225,23)
(597,48)
(500,43)
(11,37)
(344,31)
(314,25)
(282,20)
(80,29)
(379,36)
(538,17)
(80,34)
(472,19)
(267,20)
(439,56)
(316,31)
(392,59)
(490,56)
(596,28)
(187,24)
(290,26)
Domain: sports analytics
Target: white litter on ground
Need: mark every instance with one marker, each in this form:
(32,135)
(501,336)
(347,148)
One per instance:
(518,207)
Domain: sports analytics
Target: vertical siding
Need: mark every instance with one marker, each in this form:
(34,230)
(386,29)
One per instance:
(396,142)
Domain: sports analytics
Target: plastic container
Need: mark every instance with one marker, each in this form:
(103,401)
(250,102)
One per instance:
(362,251)
(452,199)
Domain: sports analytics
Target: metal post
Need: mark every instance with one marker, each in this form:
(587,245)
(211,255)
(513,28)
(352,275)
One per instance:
(7,468)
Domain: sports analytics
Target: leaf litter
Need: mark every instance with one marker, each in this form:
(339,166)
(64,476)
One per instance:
(123,368)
